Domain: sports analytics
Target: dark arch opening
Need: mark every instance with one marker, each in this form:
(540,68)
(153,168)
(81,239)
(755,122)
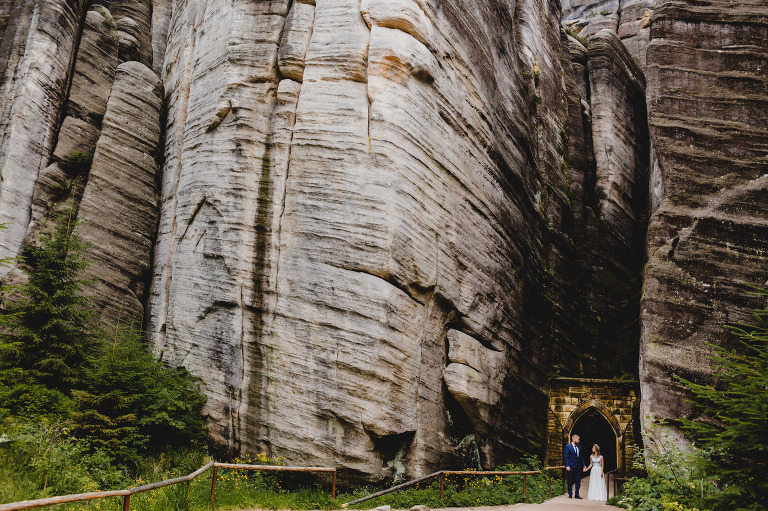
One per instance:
(594,428)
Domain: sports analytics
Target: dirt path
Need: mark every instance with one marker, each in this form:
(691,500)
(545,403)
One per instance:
(563,503)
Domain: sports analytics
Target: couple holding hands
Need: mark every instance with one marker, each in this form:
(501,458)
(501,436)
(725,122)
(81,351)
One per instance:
(574,466)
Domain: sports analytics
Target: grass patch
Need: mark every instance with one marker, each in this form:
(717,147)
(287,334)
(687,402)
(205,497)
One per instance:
(21,478)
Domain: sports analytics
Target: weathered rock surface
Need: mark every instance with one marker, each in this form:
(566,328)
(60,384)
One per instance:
(634,27)
(136,41)
(295,41)
(629,19)
(320,235)
(35,60)
(383,222)
(94,68)
(616,222)
(161,19)
(620,134)
(708,111)
(119,207)
(5,16)
(76,140)
(475,377)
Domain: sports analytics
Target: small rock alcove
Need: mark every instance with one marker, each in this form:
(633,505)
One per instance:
(603,412)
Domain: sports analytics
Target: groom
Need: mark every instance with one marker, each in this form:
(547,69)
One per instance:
(574,465)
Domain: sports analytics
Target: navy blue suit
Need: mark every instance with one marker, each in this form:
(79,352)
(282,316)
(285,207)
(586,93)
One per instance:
(576,464)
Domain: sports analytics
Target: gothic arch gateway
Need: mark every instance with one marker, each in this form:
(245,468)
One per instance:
(601,411)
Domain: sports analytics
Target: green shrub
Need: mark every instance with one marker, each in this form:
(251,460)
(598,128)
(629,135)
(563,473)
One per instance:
(77,162)
(132,403)
(726,467)
(42,460)
(49,333)
(733,427)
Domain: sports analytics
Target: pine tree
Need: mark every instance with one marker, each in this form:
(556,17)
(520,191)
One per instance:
(734,427)
(49,335)
(132,403)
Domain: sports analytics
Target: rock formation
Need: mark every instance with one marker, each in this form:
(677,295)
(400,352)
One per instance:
(119,206)
(630,19)
(36,56)
(708,111)
(338,210)
(376,227)
(41,175)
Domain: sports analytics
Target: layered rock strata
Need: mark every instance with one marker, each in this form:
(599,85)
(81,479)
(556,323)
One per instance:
(36,57)
(124,156)
(119,207)
(89,91)
(383,222)
(708,111)
(616,226)
(607,160)
(630,19)
(372,182)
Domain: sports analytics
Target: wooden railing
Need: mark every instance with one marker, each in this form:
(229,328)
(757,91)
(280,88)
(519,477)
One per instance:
(126,494)
(616,481)
(442,473)
(549,473)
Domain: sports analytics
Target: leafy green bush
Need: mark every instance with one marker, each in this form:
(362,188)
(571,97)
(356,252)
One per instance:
(41,459)
(132,403)
(675,478)
(80,411)
(726,468)
(733,428)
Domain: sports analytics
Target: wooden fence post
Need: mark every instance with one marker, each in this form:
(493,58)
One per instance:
(442,485)
(213,482)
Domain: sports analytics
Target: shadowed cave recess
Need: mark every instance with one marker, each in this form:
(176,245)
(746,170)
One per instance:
(378,229)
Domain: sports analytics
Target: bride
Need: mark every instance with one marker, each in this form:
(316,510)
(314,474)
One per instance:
(597,488)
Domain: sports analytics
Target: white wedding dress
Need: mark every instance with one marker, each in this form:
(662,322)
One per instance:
(597,489)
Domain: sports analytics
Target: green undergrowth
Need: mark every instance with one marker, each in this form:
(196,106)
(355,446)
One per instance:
(39,465)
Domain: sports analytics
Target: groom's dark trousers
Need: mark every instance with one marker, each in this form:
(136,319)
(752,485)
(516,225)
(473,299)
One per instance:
(576,465)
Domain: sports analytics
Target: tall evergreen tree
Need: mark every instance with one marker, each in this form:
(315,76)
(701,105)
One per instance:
(734,425)
(49,335)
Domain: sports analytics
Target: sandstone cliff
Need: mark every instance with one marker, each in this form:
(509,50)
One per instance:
(375,228)
(70,113)
(708,105)
(352,237)
(630,19)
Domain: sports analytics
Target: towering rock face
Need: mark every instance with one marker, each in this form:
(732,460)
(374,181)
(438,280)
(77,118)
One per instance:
(376,225)
(57,94)
(608,158)
(36,55)
(708,106)
(119,207)
(352,244)
(630,19)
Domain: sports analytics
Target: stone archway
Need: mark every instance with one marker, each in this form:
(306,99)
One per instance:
(572,400)
(596,426)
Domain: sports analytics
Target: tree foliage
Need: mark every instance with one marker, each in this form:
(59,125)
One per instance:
(734,424)
(49,334)
(57,365)
(132,403)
